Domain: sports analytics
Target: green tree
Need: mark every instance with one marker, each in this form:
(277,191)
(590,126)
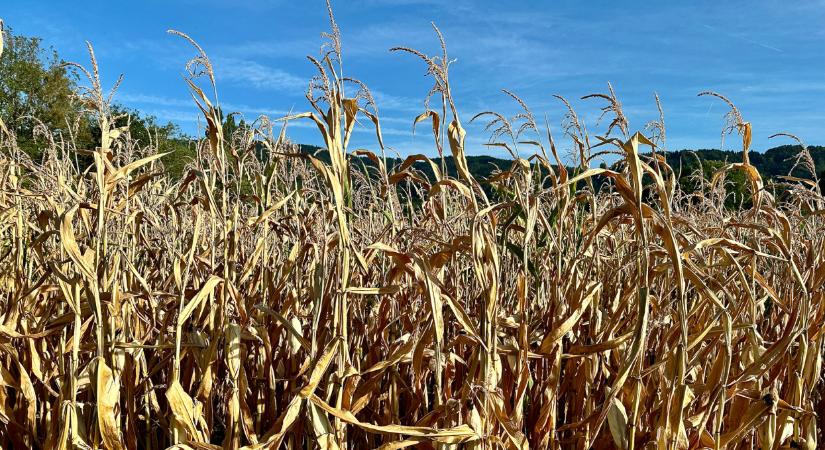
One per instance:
(37,85)
(34,84)
(146,130)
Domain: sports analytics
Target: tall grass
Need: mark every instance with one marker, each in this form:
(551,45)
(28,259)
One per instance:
(281,301)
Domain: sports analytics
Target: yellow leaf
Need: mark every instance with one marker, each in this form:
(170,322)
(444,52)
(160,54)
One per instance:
(108,397)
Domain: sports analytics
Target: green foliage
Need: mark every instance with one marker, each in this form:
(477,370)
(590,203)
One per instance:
(773,163)
(167,138)
(35,85)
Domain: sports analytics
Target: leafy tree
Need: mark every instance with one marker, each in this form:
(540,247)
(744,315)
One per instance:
(34,84)
(37,85)
(168,138)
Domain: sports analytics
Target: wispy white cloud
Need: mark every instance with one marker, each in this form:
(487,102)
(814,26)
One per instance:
(173,108)
(292,47)
(742,37)
(784,87)
(253,6)
(149,99)
(173,115)
(391,102)
(256,75)
(403,2)
(256,110)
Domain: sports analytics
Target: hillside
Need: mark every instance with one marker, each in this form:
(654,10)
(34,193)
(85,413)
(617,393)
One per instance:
(774,162)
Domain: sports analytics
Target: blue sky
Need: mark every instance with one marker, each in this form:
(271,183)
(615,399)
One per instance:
(767,56)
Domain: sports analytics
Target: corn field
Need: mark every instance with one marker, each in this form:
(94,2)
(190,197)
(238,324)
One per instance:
(274,299)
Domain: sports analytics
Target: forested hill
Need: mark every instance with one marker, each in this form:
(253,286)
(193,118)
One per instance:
(777,161)
(773,163)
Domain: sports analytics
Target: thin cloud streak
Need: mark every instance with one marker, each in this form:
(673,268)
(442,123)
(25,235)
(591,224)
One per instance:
(742,37)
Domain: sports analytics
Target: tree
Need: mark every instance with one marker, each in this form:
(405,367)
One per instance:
(34,84)
(37,85)
(168,138)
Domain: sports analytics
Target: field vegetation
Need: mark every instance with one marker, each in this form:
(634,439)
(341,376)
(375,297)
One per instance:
(263,297)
